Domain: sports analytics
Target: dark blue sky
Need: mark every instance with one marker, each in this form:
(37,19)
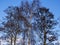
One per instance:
(53,5)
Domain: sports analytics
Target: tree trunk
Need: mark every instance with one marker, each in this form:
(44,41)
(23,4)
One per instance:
(29,42)
(11,40)
(44,38)
(29,36)
(30,27)
(23,38)
(15,40)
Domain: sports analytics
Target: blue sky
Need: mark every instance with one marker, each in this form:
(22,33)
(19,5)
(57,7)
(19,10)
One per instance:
(53,5)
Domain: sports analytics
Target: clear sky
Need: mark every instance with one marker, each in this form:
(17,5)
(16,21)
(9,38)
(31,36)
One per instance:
(53,5)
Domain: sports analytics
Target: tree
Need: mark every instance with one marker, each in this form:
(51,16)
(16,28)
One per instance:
(12,26)
(47,23)
(27,11)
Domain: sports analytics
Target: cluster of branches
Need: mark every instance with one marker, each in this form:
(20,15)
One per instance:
(27,19)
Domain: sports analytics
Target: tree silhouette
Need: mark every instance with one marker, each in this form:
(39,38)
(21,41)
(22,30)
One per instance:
(47,24)
(12,26)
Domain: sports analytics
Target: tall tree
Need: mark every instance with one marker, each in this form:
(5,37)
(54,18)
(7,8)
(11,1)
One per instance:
(47,24)
(12,26)
(28,10)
